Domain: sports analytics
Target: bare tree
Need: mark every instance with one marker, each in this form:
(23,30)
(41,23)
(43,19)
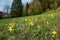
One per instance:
(6,9)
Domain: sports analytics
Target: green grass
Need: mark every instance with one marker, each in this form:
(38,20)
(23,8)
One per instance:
(38,27)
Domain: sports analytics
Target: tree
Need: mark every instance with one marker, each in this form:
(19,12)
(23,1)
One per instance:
(45,4)
(6,9)
(37,8)
(34,7)
(59,4)
(27,6)
(17,8)
(1,14)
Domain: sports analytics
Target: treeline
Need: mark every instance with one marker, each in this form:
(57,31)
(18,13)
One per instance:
(40,6)
(33,8)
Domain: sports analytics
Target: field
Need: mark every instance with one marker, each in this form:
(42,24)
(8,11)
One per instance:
(45,26)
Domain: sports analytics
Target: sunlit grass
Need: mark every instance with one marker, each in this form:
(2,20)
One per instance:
(39,27)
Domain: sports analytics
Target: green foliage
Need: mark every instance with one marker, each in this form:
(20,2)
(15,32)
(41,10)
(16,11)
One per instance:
(59,4)
(34,7)
(54,6)
(39,27)
(17,8)
(51,4)
(44,3)
(35,10)
(26,11)
(4,36)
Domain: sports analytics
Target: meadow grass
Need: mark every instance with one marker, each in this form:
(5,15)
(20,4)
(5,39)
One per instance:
(45,26)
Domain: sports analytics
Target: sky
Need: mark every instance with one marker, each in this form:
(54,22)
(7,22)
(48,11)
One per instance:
(4,2)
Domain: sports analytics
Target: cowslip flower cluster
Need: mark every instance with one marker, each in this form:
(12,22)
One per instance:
(52,15)
(10,26)
(54,33)
(31,23)
(47,22)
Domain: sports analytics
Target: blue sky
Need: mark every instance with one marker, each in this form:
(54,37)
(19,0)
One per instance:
(4,2)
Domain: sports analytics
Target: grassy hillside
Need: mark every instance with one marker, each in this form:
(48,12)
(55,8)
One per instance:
(45,26)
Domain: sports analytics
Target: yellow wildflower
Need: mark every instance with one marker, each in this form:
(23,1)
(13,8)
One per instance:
(31,23)
(47,22)
(26,19)
(54,33)
(10,26)
(52,15)
(38,26)
(42,17)
(10,29)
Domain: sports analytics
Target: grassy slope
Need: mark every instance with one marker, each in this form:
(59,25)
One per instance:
(49,20)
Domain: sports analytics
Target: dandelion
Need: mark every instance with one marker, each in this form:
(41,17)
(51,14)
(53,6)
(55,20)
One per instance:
(54,33)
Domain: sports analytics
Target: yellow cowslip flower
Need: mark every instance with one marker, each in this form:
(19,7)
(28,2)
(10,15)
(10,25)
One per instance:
(10,29)
(54,33)
(52,15)
(47,22)
(11,25)
(38,26)
(31,23)
(26,19)
(43,18)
